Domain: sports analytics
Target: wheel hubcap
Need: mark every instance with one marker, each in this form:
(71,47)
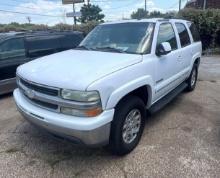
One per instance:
(131,126)
(193,79)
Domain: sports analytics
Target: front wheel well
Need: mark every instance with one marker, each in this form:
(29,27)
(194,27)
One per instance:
(141,92)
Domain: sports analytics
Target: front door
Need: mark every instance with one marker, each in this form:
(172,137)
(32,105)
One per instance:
(167,65)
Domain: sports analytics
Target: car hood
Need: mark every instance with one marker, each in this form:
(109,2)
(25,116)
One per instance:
(75,69)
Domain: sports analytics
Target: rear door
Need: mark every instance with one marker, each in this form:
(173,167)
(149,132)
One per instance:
(186,51)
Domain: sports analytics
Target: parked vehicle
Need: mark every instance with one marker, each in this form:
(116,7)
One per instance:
(19,48)
(98,93)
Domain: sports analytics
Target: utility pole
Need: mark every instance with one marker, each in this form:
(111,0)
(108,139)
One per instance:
(74,17)
(145,6)
(204,4)
(180,4)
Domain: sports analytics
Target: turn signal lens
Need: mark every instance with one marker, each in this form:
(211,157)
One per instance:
(81,113)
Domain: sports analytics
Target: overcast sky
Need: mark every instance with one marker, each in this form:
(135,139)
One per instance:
(54,10)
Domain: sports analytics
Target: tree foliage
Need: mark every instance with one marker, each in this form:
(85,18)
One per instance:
(85,28)
(142,14)
(91,13)
(139,14)
(208,24)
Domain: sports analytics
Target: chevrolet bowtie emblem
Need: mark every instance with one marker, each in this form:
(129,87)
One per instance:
(30,93)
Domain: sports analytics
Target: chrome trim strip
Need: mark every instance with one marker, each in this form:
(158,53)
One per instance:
(40,85)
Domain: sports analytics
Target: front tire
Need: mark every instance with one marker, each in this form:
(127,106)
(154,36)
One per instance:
(192,80)
(127,126)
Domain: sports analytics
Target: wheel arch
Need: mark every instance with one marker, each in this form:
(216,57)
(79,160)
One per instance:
(141,88)
(197,61)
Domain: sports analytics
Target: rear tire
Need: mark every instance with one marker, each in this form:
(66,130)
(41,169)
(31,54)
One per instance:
(127,126)
(192,80)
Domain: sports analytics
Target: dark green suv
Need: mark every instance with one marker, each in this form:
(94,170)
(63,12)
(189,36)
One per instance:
(19,48)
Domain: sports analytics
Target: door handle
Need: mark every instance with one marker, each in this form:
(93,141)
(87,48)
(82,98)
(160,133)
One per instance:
(179,58)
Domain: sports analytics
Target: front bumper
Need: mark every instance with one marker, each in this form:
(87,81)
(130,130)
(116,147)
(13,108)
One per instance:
(88,131)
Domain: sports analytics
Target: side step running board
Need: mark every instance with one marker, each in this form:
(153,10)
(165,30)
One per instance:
(166,99)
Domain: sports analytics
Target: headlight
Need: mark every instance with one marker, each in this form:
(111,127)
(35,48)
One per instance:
(81,96)
(90,103)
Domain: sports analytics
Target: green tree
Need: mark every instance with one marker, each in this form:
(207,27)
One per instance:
(208,24)
(91,13)
(156,14)
(139,14)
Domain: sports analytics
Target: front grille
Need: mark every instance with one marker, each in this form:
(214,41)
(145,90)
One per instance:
(45,105)
(32,91)
(38,88)
(49,97)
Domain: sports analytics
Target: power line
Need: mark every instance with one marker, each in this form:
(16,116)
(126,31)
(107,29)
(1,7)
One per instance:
(25,13)
(11,5)
(20,1)
(124,6)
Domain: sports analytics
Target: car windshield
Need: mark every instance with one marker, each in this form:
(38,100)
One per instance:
(135,38)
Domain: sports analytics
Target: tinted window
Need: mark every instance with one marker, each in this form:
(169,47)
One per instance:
(183,34)
(126,37)
(12,45)
(167,34)
(194,31)
(43,45)
(12,48)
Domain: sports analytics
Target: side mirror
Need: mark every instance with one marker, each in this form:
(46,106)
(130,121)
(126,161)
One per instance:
(163,49)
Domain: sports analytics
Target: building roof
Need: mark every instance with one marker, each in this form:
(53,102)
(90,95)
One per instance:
(199,4)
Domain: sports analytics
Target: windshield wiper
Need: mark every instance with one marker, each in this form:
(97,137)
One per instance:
(111,49)
(82,47)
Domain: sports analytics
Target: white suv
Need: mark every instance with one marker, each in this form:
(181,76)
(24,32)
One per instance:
(98,94)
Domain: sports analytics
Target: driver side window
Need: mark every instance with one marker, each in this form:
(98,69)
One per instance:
(167,34)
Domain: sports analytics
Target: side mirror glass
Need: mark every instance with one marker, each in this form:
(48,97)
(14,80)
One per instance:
(163,49)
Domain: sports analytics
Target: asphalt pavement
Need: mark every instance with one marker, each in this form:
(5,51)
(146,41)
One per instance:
(182,140)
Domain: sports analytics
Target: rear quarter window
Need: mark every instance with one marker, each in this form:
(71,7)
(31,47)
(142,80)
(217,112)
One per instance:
(43,45)
(183,34)
(194,32)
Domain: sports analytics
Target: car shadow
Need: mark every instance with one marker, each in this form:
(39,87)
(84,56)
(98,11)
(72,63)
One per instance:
(6,95)
(155,118)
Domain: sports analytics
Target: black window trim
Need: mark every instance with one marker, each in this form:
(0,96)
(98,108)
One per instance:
(193,40)
(174,34)
(187,32)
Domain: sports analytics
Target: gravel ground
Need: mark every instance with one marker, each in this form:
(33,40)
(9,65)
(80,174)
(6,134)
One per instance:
(182,140)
